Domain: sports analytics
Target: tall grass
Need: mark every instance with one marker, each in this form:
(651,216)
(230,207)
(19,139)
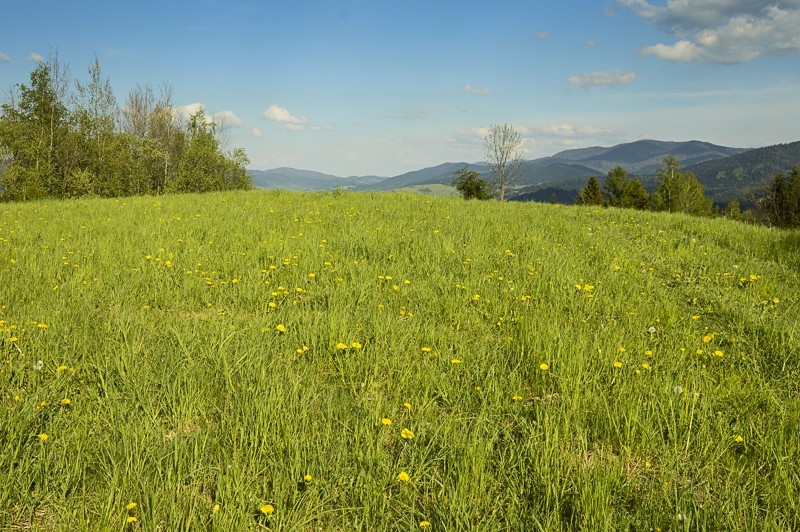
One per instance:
(263,359)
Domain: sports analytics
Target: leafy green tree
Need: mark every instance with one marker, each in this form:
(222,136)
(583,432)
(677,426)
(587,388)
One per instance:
(471,186)
(591,195)
(679,192)
(780,207)
(614,187)
(636,196)
(32,130)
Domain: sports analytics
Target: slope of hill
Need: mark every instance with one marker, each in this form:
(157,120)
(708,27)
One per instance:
(748,168)
(375,360)
(294,179)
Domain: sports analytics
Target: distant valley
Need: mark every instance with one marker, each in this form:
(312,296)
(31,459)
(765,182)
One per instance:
(727,173)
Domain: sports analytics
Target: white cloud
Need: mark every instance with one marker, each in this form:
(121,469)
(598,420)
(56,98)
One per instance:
(561,130)
(255,132)
(542,35)
(319,129)
(591,44)
(4,58)
(228,119)
(728,32)
(185,112)
(36,58)
(602,79)
(469,89)
(568,130)
(276,113)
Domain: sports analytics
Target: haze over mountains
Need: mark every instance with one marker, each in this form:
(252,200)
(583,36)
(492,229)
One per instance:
(726,172)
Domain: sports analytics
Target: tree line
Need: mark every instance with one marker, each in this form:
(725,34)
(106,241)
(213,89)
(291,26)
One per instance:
(776,203)
(60,139)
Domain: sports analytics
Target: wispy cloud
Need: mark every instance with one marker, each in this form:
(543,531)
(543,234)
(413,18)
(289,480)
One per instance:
(469,89)
(255,132)
(36,58)
(729,32)
(276,113)
(4,58)
(542,35)
(603,79)
(424,113)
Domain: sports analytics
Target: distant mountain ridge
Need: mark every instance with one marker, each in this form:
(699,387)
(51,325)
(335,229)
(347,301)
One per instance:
(725,171)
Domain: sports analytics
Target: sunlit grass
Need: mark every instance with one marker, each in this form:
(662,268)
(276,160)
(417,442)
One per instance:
(392,361)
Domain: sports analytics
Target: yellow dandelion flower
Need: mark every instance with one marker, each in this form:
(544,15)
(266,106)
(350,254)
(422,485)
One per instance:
(43,436)
(707,338)
(62,368)
(718,353)
(455,361)
(131,519)
(341,346)
(543,366)
(424,524)
(517,398)
(267,509)
(407,434)
(407,405)
(356,345)
(738,439)
(65,401)
(130,506)
(476,297)
(426,349)
(280,328)
(646,365)
(308,478)
(216,507)
(386,421)
(617,364)
(403,477)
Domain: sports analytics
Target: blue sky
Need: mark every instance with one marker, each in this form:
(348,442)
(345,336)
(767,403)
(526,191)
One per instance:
(384,87)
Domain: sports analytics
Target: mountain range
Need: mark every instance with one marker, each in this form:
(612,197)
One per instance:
(726,172)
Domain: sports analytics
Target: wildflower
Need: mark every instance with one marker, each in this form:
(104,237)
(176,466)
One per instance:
(403,477)
(476,297)
(130,506)
(131,519)
(43,436)
(646,366)
(707,338)
(617,364)
(386,421)
(407,434)
(308,478)
(718,353)
(543,366)
(426,349)
(651,330)
(267,509)
(455,361)
(356,345)
(517,398)
(39,365)
(341,346)
(407,405)
(424,524)
(215,509)
(738,439)
(65,401)
(281,328)
(61,368)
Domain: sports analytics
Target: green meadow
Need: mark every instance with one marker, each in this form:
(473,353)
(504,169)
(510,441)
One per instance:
(345,361)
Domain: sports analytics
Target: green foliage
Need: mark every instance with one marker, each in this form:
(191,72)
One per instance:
(780,206)
(620,191)
(591,195)
(49,149)
(669,346)
(679,192)
(470,186)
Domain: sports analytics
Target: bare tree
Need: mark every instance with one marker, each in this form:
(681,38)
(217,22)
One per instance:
(503,155)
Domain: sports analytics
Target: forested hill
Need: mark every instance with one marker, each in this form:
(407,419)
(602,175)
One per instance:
(751,167)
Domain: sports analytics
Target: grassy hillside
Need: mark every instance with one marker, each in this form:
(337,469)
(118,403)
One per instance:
(342,361)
